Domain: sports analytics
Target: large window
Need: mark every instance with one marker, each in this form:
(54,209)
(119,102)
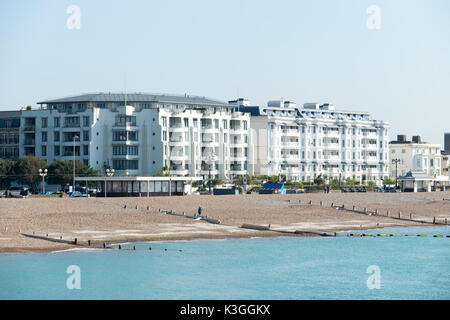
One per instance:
(123,135)
(125,150)
(125,164)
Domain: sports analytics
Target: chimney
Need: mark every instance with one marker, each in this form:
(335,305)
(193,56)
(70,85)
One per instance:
(401,138)
(416,139)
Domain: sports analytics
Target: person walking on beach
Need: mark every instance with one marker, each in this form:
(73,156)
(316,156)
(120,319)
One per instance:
(328,188)
(199,211)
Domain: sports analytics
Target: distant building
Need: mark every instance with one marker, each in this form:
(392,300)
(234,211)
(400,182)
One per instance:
(415,155)
(138,134)
(9,134)
(447,142)
(315,139)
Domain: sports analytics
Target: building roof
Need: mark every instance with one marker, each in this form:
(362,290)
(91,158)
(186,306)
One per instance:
(9,114)
(137,97)
(415,175)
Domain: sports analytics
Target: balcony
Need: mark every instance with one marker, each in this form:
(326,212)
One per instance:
(236,169)
(29,142)
(290,144)
(179,170)
(29,128)
(125,124)
(178,156)
(71,125)
(238,157)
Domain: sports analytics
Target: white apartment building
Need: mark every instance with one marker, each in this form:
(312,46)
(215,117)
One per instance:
(304,142)
(415,155)
(138,134)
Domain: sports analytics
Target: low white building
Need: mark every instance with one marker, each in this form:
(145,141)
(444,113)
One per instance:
(415,155)
(138,134)
(312,140)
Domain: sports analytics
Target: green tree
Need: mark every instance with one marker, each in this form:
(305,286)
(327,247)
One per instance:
(6,173)
(217,182)
(318,180)
(61,172)
(371,183)
(27,170)
(388,181)
(164,172)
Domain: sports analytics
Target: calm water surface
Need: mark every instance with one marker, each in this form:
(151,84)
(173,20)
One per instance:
(259,268)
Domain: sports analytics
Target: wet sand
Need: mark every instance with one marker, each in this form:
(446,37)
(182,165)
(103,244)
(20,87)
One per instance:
(114,220)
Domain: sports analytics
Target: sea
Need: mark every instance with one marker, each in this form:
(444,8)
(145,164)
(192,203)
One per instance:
(398,264)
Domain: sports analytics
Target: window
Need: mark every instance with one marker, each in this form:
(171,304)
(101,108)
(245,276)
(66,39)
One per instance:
(44,151)
(245,124)
(56,136)
(225,124)
(86,149)
(44,136)
(216,123)
(56,150)
(44,122)
(125,164)
(86,121)
(195,122)
(86,135)
(186,122)
(125,135)
(56,122)
(122,150)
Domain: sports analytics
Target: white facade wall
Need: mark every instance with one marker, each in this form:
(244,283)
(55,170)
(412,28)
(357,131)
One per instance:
(416,156)
(140,139)
(304,143)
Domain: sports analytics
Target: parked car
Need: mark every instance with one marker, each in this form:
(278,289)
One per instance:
(76,194)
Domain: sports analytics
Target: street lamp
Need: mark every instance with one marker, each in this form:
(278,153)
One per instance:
(210,159)
(109,173)
(43,173)
(75,137)
(396,162)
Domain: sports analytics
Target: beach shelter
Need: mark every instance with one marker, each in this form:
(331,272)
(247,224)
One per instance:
(415,181)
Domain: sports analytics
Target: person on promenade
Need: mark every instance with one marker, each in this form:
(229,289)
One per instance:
(328,188)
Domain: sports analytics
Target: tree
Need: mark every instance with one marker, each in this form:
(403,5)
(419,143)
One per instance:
(6,173)
(164,172)
(388,181)
(61,172)
(27,170)
(319,180)
(217,182)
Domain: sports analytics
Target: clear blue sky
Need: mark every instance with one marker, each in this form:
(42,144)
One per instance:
(305,51)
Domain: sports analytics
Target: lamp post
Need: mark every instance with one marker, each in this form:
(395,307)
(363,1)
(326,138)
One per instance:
(43,173)
(109,173)
(75,137)
(210,160)
(396,162)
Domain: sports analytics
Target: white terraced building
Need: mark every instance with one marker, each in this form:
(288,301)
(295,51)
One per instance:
(138,134)
(304,142)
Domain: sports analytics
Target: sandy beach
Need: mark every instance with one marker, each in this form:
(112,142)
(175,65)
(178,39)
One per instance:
(113,220)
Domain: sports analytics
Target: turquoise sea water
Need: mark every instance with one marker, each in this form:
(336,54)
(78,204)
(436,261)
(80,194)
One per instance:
(258,268)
